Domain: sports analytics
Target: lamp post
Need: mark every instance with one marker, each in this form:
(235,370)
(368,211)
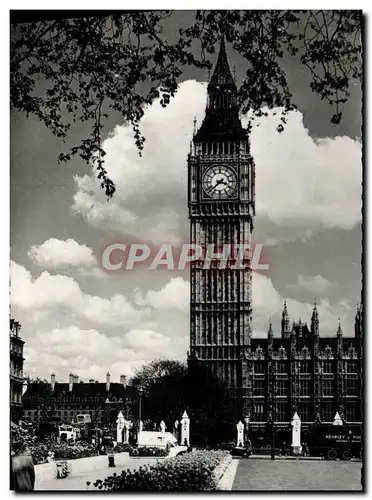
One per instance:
(246,421)
(271,427)
(107,411)
(140,392)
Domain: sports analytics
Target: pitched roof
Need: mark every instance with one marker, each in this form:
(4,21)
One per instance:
(79,390)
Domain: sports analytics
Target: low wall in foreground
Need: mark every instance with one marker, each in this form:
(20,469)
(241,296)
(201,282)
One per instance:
(48,472)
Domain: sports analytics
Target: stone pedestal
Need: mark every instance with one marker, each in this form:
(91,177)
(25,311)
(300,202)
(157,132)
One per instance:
(337,420)
(119,427)
(296,435)
(240,436)
(185,430)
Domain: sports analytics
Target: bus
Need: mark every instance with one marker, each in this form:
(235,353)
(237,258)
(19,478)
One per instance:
(336,441)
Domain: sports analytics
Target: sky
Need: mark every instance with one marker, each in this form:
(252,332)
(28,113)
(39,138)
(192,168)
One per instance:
(76,318)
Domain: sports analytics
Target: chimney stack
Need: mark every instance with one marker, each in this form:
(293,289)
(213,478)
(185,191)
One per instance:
(123,380)
(107,381)
(70,382)
(91,380)
(53,381)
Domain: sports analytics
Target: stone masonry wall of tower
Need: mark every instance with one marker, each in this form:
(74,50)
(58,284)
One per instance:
(221,202)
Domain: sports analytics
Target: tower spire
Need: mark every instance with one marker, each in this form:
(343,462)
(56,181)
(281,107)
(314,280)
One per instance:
(286,326)
(270,334)
(222,74)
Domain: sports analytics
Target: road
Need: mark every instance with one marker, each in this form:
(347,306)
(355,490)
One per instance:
(79,482)
(285,475)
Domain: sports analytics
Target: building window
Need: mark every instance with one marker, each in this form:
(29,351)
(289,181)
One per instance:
(258,367)
(351,367)
(259,388)
(303,387)
(327,367)
(281,412)
(282,368)
(282,388)
(350,387)
(328,387)
(328,413)
(258,413)
(304,412)
(351,412)
(304,367)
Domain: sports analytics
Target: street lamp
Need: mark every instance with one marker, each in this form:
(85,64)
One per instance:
(107,408)
(246,421)
(140,392)
(271,427)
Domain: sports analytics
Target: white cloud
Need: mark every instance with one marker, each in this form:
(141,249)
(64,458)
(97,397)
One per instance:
(56,254)
(151,342)
(314,284)
(87,353)
(299,180)
(91,354)
(175,295)
(266,302)
(146,202)
(53,292)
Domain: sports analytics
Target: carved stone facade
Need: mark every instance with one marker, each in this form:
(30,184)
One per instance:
(304,372)
(221,211)
(301,370)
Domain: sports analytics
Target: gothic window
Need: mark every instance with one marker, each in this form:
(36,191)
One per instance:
(350,387)
(351,367)
(304,412)
(328,413)
(281,412)
(282,387)
(258,413)
(259,367)
(327,367)
(328,388)
(259,388)
(303,387)
(304,367)
(351,412)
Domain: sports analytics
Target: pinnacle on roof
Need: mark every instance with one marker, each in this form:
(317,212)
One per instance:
(285,311)
(339,329)
(270,331)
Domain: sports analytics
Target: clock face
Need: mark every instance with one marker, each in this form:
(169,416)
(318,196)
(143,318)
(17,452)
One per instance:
(219,182)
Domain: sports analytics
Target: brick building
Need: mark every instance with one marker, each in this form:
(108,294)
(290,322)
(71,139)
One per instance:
(15,370)
(63,401)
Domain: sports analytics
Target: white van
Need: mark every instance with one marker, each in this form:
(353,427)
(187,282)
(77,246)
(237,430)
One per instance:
(160,440)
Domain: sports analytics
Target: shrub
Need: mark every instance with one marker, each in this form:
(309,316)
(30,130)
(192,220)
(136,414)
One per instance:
(120,448)
(39,451)
(149,451)
(189,472)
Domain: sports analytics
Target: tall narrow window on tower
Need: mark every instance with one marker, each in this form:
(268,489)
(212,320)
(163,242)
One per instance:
(221,173)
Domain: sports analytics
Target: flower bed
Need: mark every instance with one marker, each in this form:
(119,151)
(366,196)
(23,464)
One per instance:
(149,451)
(192,471)
(39,452)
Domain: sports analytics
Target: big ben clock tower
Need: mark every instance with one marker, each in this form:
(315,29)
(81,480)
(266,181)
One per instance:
(221,204)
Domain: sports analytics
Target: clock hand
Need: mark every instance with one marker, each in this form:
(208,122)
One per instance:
(221,181)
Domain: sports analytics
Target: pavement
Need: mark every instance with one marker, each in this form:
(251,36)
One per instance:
(298,475)
(78,482)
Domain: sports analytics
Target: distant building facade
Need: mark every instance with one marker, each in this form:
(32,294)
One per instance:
(62,402)
(302,371)
(15,370)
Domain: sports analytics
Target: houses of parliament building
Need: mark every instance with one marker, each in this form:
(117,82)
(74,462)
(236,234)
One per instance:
(300,370)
